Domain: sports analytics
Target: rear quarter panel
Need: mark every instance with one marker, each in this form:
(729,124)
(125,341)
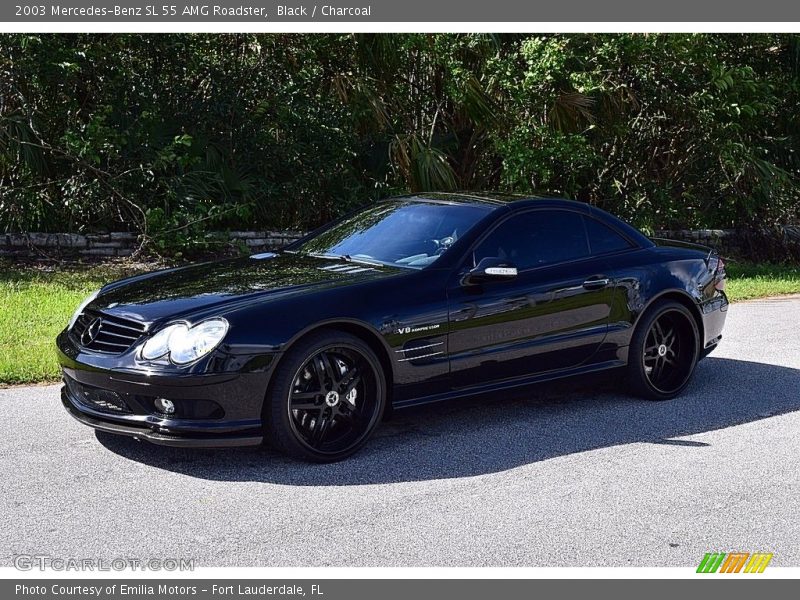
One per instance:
(648,275)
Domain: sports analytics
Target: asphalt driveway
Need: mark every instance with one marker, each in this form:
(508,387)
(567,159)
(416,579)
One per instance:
(570,475)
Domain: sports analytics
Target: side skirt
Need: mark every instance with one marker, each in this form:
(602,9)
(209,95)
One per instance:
(512,383)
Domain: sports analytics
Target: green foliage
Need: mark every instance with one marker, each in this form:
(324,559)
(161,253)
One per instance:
(173,136)
(666,130)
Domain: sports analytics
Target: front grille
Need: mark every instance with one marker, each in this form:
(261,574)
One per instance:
(106,333)
(101,400)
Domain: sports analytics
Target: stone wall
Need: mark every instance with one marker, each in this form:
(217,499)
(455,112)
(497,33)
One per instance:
(108,245)
(778,243)
(94,244)
(731,242)
(260,241)
(725,241)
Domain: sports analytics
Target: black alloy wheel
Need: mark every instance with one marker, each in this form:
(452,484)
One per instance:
(327,398)
(664,352)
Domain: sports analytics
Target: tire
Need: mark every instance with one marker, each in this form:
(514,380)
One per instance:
(664,352)
(326,397)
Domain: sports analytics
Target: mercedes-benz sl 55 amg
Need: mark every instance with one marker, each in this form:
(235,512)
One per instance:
(410,300)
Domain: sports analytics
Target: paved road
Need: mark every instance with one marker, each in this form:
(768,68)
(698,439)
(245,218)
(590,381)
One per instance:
(579,475)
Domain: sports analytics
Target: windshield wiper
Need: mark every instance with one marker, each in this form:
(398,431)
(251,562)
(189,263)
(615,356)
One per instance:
(347,258)
(323,255)
(365,261)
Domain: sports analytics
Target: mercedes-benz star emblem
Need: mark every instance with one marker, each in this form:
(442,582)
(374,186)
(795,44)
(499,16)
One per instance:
(331,398)
(90,333)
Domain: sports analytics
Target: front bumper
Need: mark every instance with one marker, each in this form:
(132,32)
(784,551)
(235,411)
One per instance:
(153,433)
(211,409)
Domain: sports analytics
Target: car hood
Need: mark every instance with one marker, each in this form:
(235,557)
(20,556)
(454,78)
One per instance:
(227,284)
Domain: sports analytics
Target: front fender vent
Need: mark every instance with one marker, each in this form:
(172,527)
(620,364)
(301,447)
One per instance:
(421,351)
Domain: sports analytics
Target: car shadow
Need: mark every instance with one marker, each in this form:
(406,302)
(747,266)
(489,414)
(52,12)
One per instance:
(477,436)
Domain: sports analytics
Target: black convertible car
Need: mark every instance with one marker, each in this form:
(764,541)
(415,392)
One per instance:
(412,300)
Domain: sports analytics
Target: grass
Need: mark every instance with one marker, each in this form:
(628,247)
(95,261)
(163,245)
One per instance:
(36,304)
(749,281)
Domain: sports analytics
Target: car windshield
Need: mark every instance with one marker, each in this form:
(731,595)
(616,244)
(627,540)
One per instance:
(405,234)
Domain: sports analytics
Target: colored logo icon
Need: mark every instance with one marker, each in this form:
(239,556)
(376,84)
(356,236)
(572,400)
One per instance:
(734,562)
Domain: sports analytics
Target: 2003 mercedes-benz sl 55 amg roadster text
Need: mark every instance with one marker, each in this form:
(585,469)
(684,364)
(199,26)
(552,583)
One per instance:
(411,300)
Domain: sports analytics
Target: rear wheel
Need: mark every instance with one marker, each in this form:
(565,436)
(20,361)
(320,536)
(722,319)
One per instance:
(663,352)
(326,399)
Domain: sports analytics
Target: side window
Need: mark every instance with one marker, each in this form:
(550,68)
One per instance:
(603,239)
(537,238)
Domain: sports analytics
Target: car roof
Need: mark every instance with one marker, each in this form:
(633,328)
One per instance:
(492,199)
(516,202)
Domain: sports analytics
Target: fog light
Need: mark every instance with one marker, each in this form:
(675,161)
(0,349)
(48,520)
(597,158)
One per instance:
(165,406)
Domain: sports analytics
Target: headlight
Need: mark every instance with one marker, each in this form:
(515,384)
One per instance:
(189,344)
(185,344)
(80,308)
(158,345)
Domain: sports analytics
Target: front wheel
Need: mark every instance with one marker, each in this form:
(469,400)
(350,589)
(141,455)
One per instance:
(326,398)
(663,352)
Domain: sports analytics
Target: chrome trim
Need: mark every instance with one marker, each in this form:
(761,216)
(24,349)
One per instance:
(419,347)
(419,357)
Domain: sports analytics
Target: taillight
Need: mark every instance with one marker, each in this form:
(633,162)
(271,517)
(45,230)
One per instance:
(717,266)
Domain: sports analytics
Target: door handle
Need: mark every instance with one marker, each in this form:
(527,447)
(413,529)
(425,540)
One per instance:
(595,283)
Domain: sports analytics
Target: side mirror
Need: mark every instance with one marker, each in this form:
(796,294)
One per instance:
(490,269)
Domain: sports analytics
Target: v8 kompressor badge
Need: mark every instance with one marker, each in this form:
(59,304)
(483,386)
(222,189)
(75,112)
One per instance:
(407,330)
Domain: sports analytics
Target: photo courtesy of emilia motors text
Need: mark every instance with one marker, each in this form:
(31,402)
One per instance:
(372,299)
